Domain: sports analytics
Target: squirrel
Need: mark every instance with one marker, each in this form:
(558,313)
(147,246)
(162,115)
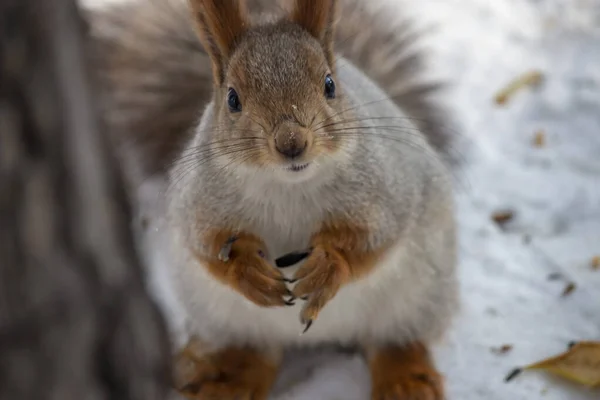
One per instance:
(278,127)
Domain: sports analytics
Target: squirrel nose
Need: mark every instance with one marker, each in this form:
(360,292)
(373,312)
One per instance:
(292,147)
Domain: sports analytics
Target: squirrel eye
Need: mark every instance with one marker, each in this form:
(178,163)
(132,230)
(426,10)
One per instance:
(233,101)
(329,87)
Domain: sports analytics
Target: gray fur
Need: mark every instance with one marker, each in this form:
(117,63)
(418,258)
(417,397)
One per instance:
(395,181)
(401,188)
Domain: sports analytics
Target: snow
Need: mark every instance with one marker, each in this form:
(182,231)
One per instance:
(554,191)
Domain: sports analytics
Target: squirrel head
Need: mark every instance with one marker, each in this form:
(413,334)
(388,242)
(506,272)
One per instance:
(276,99)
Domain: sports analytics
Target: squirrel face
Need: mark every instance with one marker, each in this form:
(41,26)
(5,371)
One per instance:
(280,90)
(276,97)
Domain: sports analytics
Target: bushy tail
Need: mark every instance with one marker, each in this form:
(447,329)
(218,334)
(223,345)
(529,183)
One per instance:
(154,76)
(385,46)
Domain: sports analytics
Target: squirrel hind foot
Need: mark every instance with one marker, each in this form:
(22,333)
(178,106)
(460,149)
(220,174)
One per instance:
(405,372)
(227,374)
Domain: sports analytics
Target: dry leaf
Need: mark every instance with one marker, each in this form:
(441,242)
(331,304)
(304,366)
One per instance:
(539,139)
(570,288)
(502,349)
(531,78)
(596,263)
(502,217)
(580,364)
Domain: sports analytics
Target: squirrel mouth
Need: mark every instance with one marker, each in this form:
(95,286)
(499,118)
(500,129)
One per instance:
(297,167)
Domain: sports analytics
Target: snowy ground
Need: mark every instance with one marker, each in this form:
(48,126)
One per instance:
(554,192)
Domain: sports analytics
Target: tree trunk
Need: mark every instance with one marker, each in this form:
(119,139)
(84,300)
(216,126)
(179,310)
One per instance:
(75,319)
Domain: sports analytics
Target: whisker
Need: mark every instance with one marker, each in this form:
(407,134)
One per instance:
(392,138)
(406,133)
(353,131)
(200,159)
(217,144)
(411,118)
(361,119)
(207,155)
(248,156)
(397,139)
(213,156)
(257,122)
(208,148)
(182,170)
(407,130)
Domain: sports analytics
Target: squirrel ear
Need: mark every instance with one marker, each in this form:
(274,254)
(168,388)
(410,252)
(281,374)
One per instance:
(220,23)
(318,17)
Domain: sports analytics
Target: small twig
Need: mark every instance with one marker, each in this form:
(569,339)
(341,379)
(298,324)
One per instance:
(513,374)
(595,263)
(539,138)
(570,288)
(502,349)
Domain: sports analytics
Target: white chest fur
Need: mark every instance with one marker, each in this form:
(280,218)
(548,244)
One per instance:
(375,307)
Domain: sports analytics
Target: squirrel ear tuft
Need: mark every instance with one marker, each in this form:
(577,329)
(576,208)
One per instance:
(318,17)
(219,23)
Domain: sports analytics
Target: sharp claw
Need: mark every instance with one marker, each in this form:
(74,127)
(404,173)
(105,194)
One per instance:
(292,297)
(308,325)
(226,249)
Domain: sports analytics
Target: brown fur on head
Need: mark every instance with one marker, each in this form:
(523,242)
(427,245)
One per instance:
(273,81)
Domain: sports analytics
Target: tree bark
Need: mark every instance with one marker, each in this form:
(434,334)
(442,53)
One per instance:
(75,319)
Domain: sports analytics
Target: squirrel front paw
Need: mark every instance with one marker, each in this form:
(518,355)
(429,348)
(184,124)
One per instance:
(246,269)
(319,279)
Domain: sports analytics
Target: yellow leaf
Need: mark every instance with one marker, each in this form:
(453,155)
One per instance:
(581,364)
(531,78)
